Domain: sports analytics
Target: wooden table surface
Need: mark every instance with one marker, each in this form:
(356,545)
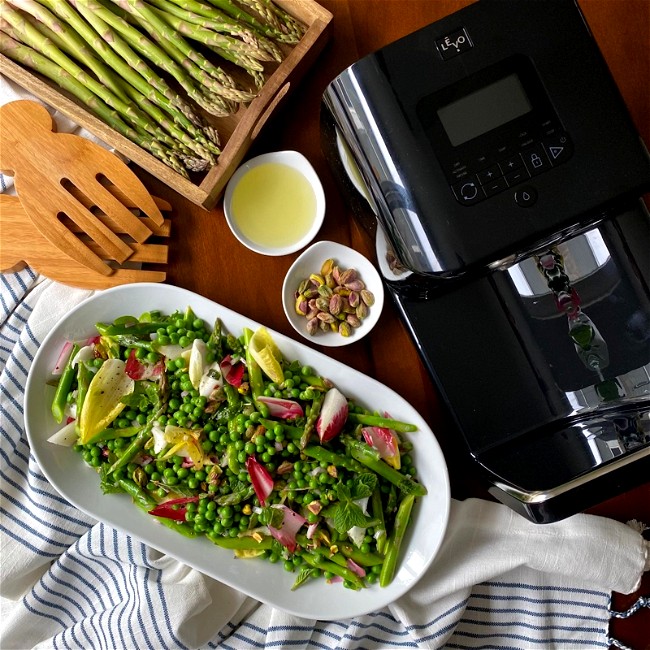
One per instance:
(206,258)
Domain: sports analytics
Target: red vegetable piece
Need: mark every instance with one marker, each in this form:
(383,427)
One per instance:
(167,510)
(175,502)
(291,524)
(286,409)
(384,441)
(261,480)
(359,570)
(64,355)
(137,370)
(233,373)
(333,414)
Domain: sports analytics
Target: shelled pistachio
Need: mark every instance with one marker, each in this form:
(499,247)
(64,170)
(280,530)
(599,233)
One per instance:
(335,299)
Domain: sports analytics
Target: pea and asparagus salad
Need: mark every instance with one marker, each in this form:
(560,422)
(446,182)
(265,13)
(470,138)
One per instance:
(221,436)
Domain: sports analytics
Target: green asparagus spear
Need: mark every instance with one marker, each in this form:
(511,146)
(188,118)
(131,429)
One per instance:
(395,541)
(70,42)
(196,64)
(378,421)
(146,502)
(247,543)
(371,459)
(64,385)
(318,561)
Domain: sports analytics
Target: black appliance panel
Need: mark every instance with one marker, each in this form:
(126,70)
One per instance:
(569,82)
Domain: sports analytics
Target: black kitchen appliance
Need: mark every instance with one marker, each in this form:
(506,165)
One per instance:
(493,160)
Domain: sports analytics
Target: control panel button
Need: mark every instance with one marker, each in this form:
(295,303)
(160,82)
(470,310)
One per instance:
(488,175)
(495,186)
(468,191)
(536,160)
(516,177)
(504,167)
(558,148)
(510,164)
(525,196)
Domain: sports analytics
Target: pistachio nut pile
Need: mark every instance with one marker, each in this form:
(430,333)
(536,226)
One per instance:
(334,300)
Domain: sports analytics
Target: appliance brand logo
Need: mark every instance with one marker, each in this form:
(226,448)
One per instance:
(454,44)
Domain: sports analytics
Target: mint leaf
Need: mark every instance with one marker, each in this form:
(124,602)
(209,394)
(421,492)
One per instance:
(304,575)
(143,397)
(107,482)
(343,492)
(363,485)
(348,515)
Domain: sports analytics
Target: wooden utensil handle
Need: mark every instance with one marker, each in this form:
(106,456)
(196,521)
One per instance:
(34,123)
(16,230)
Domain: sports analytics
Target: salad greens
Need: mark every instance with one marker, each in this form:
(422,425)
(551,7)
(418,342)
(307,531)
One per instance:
(219,435)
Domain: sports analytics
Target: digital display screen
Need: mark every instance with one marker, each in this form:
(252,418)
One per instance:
(485,109)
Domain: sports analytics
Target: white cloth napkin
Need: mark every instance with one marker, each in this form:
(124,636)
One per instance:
(67,581)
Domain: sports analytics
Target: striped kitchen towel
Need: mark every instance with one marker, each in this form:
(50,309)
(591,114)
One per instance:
(67,581)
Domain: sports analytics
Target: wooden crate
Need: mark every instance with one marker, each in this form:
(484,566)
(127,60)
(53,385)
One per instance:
(237,131)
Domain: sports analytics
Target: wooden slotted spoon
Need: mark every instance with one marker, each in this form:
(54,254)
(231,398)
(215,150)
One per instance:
(22,244)
(53,170)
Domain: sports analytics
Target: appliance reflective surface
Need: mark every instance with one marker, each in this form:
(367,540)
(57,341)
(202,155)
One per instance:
(515,246)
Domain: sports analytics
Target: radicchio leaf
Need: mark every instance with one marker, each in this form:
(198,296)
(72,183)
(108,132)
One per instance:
(286,409)
(333,415)
(292,522)
(138,370)
(232,370)
(261,480)
(385,442)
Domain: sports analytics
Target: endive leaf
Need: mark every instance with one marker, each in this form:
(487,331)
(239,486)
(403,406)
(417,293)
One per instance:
(267,354)
(103,400)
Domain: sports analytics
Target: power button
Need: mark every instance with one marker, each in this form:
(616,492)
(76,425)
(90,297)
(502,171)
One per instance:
(525,196)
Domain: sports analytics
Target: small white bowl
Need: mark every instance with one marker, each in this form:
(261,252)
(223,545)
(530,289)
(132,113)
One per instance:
(273,204)
(310,262)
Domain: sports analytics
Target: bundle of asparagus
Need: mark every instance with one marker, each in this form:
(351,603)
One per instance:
(140,65)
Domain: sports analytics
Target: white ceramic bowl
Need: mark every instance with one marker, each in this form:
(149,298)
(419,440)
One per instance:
(310,262)
(259,227)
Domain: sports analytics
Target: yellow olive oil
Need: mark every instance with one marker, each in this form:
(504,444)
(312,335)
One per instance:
(274,205)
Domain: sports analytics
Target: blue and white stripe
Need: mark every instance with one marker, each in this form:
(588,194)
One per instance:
(81,584)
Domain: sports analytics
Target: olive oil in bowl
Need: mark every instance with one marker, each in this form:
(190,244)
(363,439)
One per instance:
(275,203)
